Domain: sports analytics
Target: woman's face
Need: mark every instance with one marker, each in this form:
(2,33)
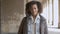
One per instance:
(34,10)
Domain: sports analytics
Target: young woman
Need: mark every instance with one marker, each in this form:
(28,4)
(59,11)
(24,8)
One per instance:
(33,23)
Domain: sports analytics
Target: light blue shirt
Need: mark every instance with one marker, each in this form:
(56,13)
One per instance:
(31,22)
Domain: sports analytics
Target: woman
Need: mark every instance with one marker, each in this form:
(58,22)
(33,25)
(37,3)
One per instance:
(33,23)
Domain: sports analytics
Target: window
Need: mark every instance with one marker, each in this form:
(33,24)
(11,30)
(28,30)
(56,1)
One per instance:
(50,12)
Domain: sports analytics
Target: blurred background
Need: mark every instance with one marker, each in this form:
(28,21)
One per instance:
(12,12)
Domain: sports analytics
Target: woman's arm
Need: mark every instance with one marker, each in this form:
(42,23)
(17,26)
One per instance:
(20,31)
(45,29)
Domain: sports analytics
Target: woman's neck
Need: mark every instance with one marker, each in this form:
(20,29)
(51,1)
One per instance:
(34,17)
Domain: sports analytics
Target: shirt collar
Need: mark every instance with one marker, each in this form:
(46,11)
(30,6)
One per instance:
(37,17)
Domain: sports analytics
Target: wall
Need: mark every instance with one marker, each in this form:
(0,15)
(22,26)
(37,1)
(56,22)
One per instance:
(59,15)
(12,12)
(0,16)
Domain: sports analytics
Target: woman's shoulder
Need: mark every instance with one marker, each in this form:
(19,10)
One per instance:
(24,18)
(43,18)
